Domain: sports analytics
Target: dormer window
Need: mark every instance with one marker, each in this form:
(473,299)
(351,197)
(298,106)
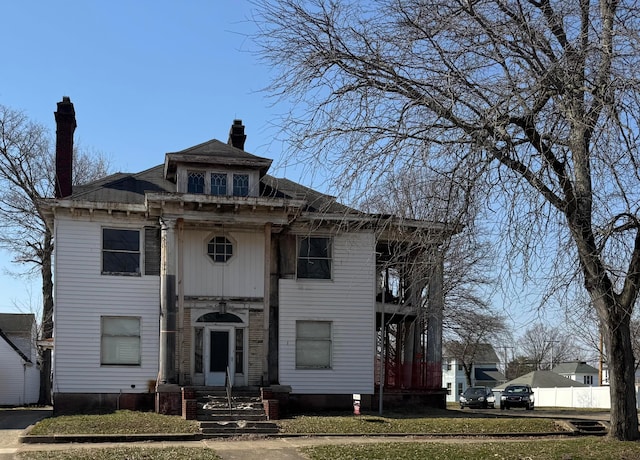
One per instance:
(241,185)
(219,184)
(195,182)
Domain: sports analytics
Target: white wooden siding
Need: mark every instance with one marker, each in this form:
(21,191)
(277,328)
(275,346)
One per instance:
(348,301)
(82,296)
(19,380)
(241,276)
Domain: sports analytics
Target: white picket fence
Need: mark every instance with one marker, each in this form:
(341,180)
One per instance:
(578,397)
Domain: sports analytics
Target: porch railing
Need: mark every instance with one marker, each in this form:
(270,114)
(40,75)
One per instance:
(228,387)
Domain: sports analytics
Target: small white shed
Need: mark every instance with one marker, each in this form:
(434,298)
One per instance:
(19,371)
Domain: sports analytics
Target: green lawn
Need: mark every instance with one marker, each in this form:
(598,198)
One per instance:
(406,423)
(128,453)
(539,449)
(119,422)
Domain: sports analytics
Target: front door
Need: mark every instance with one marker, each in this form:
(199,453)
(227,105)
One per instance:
(218,355)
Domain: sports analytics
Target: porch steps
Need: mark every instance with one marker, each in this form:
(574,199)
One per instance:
(246,417)
(588,427)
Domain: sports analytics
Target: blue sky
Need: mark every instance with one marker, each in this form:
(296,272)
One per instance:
(146,78)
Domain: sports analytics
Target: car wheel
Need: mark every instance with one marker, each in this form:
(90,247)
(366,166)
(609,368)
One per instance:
(507,407)
(530,407)
(501,406)
(461,406)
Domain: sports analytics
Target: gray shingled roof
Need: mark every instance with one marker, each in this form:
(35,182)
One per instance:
(224,154)
(484,354)
(542,379)
(17,323)
(15,329)
(128,188)
(575,367)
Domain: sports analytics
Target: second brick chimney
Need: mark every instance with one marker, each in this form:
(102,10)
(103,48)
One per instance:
(236,135)
(65,126)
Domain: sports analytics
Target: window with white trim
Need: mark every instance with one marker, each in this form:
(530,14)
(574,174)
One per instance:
(220,249)
(314,257)
(120,251)
(120,340)
(313,344)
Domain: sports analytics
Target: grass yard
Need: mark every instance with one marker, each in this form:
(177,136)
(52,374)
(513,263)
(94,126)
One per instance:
(540,449)
(128,453)
(119,422)
(405,423)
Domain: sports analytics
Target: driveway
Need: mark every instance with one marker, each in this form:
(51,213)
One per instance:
(12,423)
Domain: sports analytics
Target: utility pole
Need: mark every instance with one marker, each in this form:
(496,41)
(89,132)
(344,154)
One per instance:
(552,342)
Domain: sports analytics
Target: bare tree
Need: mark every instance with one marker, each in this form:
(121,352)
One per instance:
(532,102)
(546,346)
(27,177)
(518,366)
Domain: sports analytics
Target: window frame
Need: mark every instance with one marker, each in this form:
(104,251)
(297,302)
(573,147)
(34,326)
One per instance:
(226,183)
(114,251)
(236,189)
(312,341)
(104,358)
(300,258)
(203,184)
(229,242)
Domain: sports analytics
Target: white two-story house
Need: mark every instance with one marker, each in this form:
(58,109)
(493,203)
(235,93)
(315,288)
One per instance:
(484,372)
(203,269)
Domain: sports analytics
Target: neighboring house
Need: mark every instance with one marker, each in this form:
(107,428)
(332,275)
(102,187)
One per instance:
(206,265)
(579,371)
(542,379)
(484,372)
(20,374)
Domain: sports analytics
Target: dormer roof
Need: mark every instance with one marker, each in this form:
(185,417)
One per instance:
(214,153)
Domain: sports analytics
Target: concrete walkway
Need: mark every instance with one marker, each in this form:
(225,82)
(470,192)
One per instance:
(13,422)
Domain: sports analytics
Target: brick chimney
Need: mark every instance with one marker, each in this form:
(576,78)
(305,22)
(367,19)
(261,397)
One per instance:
(65,126)
(237,135)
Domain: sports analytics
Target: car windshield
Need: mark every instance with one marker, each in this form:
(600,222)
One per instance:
(517,390)
(474,392)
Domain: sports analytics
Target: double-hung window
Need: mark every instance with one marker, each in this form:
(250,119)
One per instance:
(314,257)
(313,344)
(120,251)
(120,341)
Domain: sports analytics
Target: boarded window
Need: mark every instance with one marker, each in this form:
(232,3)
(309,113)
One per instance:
(151,251)
(120,341)
(313,344)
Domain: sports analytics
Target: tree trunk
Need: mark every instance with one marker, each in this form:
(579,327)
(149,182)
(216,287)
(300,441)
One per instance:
(617,336)
(47,317)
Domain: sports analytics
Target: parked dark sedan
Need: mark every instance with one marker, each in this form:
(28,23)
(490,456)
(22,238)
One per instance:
(477,397)
(517,396)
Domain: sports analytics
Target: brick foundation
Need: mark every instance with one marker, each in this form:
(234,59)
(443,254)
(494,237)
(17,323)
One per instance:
(91,403)
(189,404)
(272,409)
(169,400)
